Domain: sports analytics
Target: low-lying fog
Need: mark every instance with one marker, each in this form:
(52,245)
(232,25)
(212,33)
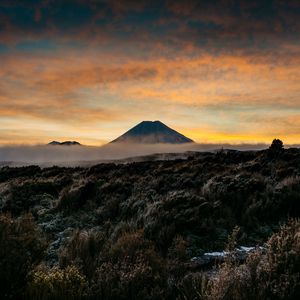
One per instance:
(86,155)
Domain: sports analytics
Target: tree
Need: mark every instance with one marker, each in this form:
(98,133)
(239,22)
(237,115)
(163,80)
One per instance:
(276,147)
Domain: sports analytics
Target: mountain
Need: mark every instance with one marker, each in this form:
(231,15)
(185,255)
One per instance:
(65,143)
(152,132)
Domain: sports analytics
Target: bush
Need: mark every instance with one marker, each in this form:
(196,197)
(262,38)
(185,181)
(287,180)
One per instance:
(278,272)
(276,147)
(134,270)
(55,284)
(21,248)
(82,250)
(129,245)
(193,286)
(178,250)
(270,275)
(24,197)
(126,280)
(75,197)
(15,172)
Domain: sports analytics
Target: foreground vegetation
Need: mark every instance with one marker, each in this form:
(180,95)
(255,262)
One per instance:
(133,231)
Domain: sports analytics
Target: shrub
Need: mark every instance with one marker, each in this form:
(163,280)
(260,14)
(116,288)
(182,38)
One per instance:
(278,272)
(128,245)
(134,270)
(270,275)
(276,147)
(10,172)
(178,250)
(24,197)
(82,250)
(193,286)
(77,196)
(21,248)
(127,280)
(54,283)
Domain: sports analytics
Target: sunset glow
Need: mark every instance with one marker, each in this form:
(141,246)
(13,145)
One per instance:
(90,70)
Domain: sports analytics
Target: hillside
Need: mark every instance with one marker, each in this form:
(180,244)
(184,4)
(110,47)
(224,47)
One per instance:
(152,221)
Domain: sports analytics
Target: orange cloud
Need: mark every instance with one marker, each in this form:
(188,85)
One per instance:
(205,90)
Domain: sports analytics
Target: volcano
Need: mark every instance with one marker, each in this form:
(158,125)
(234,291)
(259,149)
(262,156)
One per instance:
(152,132)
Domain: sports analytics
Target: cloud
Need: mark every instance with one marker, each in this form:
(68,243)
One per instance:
(214,65)
(175,24)
(70,88)
(83,156)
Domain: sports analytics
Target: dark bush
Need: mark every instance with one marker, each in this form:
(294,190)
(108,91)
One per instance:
(75,197)
(83,250)
(24,197)
(276,148)
(134,270)
(9,173)
(21,248)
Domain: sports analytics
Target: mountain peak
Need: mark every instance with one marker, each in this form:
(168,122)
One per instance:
(65,143)
(152,132)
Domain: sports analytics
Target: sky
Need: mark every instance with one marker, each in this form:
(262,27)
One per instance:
(88,70)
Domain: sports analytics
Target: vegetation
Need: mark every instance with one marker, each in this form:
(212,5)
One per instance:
(54,283)
(21,249)
(271,273)
(140,230)
(276,148)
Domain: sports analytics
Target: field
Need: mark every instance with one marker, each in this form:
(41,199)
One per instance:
(144,230)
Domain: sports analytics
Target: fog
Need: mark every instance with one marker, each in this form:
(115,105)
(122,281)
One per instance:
(87,155)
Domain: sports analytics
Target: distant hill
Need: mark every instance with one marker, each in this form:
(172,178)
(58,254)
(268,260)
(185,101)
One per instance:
(152,132)
(65,143)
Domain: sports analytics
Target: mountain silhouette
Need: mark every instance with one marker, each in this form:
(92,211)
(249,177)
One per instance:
(66,143)
(152,132)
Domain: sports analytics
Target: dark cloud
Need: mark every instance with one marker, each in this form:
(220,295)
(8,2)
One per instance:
(216,25)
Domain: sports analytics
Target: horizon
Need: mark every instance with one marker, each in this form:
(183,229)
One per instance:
(48,155)
(218,73)
(209,145)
